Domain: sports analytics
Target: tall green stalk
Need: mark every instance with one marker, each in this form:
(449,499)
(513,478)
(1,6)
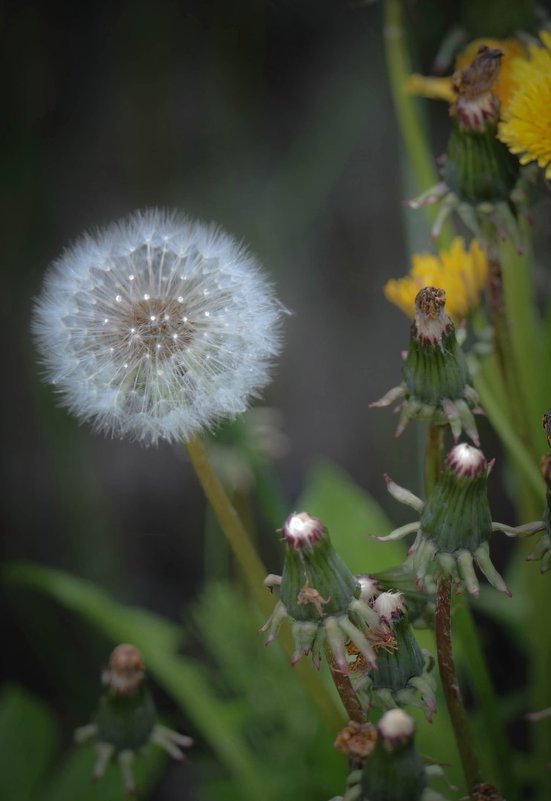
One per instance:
(418,153)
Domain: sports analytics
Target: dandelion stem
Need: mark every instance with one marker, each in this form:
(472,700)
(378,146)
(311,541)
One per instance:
(450,685)
(407,111)
(342,682)
(433,456)
(230,523)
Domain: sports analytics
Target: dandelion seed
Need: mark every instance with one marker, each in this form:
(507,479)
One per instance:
(144,327)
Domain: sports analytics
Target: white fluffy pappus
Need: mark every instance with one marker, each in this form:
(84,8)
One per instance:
(157,327)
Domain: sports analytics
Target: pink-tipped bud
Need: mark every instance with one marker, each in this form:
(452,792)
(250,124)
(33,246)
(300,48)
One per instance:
(396,726)
(125,671)
(466,461)
(302,531)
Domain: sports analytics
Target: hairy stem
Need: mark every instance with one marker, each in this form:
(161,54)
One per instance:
(450,685)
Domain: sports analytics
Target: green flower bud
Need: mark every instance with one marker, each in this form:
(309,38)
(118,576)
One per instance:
(436,378)
(479,168)
(320,596)
(420,605)
(392,768)
(455,525)
(394,771)
(403,670)
(126,718)
(480,175)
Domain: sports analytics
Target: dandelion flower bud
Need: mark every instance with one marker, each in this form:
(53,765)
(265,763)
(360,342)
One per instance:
(157,327)
(321,597)
(126,718)
(479,174)
(393,769)
(436,383)
(403,676)
(456,524)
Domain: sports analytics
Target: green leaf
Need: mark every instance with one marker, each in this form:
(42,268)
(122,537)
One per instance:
(157,640)
(119,622)
(351,515)
(28,736)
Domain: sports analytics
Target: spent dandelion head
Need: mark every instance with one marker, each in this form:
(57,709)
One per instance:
(438,88)
(526,121)
(459,271)
(479,174)
(436,382)
(157,327)
(126,718)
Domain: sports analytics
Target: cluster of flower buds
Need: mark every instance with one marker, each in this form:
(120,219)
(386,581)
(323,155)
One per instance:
(321,598)
(403,675)
(392,767)
(365,629)
(126,718)
(436,384)
(455,525)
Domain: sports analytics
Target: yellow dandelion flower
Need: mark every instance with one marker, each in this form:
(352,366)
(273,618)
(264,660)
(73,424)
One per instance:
(461,273)
(526,125)
(442,89)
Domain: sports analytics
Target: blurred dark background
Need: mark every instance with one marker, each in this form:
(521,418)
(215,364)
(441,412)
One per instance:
(273,118)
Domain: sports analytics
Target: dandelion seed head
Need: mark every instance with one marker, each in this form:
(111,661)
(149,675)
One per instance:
(157,327)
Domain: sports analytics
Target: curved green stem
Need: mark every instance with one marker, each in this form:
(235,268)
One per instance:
(407,111)
(230,523)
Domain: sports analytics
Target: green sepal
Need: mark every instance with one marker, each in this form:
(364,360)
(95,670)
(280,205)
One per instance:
(457,514)
(395,668)
(396,775)
(126,721)
(479,168)
(433,372)
(318,567)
